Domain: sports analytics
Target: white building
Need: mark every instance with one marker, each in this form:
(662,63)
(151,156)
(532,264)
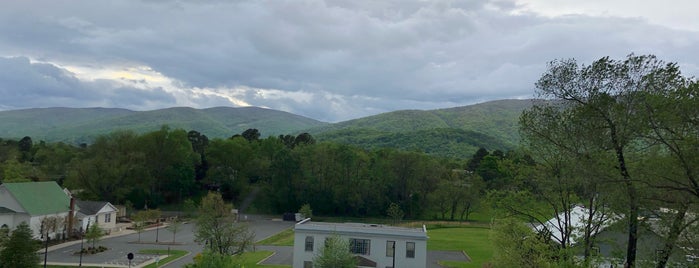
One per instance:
(374,245)
(33,203)
(101,212)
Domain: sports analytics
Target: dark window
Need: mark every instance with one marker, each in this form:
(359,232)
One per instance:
(309,243)
(108,217)
(390,248)
(410,249)
(307,264)
(360,246)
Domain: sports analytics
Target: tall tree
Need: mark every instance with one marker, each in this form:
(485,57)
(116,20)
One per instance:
(606,96)
(216,227)
(170,163)
(109,169)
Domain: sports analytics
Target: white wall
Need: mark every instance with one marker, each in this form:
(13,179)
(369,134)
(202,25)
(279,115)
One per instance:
(35,224)
(377,247)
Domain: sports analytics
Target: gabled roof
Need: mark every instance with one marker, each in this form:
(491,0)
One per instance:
(92,207)
(4,210)
(39,198)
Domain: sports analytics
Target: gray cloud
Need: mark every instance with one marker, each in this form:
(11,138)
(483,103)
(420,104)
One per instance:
(354,58)
(27,85)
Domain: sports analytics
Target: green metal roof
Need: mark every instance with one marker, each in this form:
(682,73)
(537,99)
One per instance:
(39,198)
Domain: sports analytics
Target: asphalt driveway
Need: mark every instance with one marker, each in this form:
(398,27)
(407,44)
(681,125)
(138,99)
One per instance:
(128,242)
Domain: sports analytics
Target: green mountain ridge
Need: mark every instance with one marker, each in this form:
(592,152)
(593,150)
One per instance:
(78,125)
(451,132)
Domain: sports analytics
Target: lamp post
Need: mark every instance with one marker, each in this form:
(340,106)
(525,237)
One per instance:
(46,244)
(157,226)
(82,239)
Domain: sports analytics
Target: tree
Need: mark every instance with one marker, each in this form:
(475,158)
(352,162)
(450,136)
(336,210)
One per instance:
(335,254)
(216,227)
(516,245)
(20,249)
(139,222)
(14,171)
(607,98)
(395,212)
(110,169)
(93,234)
(251,134)
(4,236)
(475,161)
(25,148)
(174,226)
(306,211)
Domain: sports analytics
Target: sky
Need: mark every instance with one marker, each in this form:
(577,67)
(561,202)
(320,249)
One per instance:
(330,60)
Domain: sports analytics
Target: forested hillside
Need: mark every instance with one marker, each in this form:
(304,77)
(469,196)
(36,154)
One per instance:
(454,132)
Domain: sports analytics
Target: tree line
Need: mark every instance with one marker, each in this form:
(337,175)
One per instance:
(170,166)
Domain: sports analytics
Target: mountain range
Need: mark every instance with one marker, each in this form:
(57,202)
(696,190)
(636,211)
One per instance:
(452,132)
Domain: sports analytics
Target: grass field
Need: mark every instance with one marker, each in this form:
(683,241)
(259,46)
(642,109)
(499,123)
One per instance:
(475,241)
(285,238)
(250,259)
(174,254)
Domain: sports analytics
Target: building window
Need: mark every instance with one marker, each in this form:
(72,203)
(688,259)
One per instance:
(307,264)
(108,217)
(390,248)
(309,243)
(410,249)
(360,246)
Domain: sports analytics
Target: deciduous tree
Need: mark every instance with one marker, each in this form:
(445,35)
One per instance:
(216,227)
(335,254)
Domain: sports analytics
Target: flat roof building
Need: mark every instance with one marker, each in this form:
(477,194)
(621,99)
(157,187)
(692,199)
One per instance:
(374,245)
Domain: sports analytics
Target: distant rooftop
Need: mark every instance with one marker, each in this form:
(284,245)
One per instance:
(361,228)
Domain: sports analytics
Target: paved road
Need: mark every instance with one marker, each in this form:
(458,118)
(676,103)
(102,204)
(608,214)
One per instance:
(120,246)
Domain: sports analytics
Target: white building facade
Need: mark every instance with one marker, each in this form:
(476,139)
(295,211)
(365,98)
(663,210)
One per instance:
(374,245)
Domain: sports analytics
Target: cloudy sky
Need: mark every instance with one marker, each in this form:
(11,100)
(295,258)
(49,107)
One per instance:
(330,60)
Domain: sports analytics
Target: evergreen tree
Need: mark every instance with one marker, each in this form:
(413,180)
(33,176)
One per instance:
(20,249)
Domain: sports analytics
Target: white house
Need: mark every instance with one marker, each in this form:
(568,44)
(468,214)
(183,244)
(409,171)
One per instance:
(33,202)
(101,212)
(577,219)
(374,245)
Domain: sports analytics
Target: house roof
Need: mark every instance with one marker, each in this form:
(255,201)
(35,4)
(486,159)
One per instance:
(361,228)
(39,198)
(4,210)
(91,207)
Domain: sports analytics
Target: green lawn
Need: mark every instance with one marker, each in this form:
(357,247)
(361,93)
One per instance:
(285,238)
(475,241)
(250,259)
(174,254)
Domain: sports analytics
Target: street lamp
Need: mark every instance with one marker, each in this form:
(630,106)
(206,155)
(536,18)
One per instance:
(46,244)
(82,238)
